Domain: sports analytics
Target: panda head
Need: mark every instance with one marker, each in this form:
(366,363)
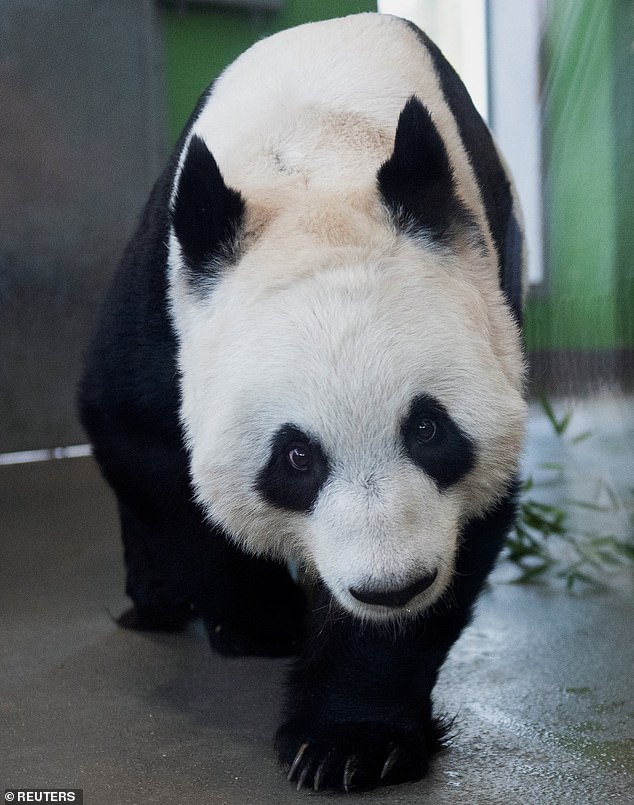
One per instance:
(351,376)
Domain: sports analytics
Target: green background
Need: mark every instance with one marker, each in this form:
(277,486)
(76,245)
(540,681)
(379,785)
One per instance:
(588,169)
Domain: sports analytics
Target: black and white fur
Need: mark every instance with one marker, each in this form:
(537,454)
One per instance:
(311,352)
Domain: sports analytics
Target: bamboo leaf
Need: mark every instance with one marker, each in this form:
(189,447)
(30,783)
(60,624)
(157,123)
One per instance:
(585,504)
(581,437)
(559,425)
(531,573)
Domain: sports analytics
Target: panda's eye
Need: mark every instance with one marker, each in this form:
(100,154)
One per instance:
(426,430)
(295,472)
(299,457)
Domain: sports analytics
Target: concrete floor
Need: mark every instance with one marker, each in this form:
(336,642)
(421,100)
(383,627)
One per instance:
(540,684)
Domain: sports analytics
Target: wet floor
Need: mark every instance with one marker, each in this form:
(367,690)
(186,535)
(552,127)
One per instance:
(540,685)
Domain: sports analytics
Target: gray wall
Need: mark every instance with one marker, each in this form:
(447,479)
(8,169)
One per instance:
(82,138)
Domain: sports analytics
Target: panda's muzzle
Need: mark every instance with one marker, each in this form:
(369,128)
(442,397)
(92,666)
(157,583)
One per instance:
(394,598)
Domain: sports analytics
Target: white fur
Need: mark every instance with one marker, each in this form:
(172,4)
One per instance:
(334,322)
(321,101)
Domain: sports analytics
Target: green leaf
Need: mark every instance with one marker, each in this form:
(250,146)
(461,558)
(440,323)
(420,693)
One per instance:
(577,575)
(531,573)
(625,549)
(559,425)
(608,557)
(585,504)
(552,465)
(543,534)
(612,494)
(581,437)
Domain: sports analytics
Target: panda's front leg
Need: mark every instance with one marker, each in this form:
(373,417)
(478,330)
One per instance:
(358,711)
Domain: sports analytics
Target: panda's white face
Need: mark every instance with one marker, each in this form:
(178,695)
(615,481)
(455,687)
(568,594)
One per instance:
(352,414)
(351,377)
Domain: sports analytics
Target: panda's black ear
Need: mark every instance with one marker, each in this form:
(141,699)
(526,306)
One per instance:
(417,183)
(206,214)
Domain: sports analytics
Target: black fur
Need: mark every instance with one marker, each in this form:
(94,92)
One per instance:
(449,454)
(492,179)
(288,488)
(207,214)
(416,182)
(359,695)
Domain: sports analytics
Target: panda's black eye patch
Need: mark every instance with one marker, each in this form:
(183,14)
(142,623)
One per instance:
(436,443)
(295,472)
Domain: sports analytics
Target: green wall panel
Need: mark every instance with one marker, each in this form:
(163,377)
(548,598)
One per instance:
(587,302)
(623,109)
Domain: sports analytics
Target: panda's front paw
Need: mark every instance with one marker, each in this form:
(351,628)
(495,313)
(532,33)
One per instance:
(355,756)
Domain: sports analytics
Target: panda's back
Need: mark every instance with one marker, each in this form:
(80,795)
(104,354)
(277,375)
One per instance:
(316,107)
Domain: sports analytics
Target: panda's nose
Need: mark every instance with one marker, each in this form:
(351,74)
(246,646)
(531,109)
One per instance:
(394,598)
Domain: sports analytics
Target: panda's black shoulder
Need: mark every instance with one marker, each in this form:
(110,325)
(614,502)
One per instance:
(491,177)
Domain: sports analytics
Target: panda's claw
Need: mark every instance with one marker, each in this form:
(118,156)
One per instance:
(297,761)
(348,772)
(320,771)
(354,757)
(390,761)
(302,776)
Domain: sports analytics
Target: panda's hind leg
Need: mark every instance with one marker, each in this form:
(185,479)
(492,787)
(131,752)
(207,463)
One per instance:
(157,603)
(178,567)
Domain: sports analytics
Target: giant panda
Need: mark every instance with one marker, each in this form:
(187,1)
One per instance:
(310,358)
